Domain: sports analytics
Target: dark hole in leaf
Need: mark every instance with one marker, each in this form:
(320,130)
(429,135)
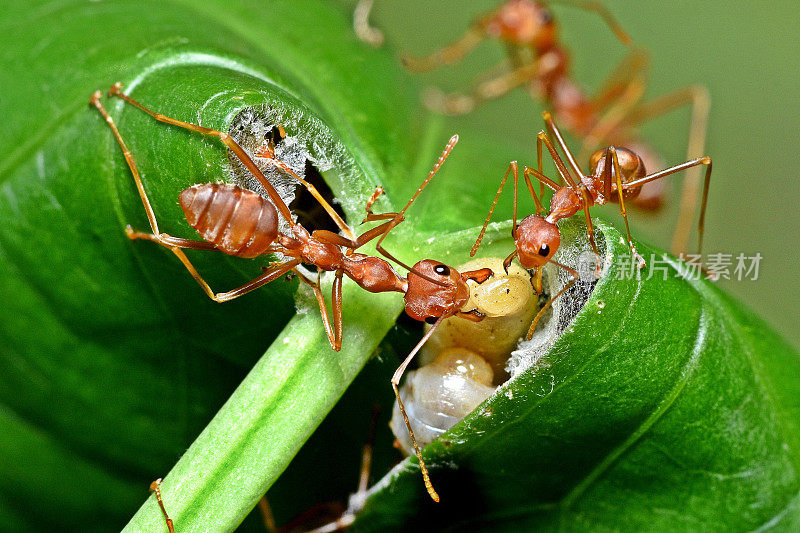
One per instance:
(308,210)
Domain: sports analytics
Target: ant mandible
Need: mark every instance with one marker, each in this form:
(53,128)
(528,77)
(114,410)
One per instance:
(242,223)
(529,33)
(617,175)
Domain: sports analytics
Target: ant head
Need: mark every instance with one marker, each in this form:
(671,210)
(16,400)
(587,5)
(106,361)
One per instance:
(537,241)
(523,22)
(429,301)
(630,164)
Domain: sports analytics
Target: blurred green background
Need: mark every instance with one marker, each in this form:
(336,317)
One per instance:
(746,53)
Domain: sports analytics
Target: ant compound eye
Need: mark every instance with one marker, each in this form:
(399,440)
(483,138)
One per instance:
(545,17)
(442,270)
(544,250)
(431,320)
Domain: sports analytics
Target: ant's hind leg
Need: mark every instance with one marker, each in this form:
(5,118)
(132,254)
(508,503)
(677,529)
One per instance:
(460,104)
(612,152)
(452,53)
(155,488)
(116,90)
(334,332)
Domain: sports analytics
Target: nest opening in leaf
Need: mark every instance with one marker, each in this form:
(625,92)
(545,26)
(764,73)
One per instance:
(576,252)
(301,143)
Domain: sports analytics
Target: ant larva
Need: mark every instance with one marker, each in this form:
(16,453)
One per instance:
(610,117)
(537,237)
(241,223)
(464,361)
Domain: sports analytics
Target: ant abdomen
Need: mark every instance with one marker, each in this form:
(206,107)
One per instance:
(631,166)
(237,221)
(440,394)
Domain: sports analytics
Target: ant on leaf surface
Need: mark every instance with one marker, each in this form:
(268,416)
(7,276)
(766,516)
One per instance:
(617,175)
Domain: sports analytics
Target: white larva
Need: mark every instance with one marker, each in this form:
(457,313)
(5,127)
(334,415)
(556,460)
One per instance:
(440,394)
(464,360)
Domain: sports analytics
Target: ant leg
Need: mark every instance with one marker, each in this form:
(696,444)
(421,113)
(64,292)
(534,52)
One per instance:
(512,167)
(590,231)
(364,31)
(612,153)
(563,173)
(460,104)
(605,14)
(527,172)
(334,333)
(270,273)
(544,308)
(610,123)
(632,69)
(452,53)
(395,383)
(157,236)
(148,209)
(507,261)
(266,515)
(169,241)
(677,168)
(536,280)
(551,125)
(115,90)
(339,221)
(698,98)
(155,488)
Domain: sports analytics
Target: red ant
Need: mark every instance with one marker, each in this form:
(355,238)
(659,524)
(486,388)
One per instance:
(537,238)
(242,223)
(529,33)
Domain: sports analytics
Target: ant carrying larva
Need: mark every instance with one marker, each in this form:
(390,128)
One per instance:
(241,223)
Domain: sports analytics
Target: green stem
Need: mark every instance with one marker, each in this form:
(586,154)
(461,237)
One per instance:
(262,426)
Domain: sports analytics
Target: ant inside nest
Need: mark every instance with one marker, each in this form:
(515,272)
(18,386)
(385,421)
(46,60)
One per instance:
(464,363)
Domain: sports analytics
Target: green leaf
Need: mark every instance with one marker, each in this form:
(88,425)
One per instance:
(113,359)
(691,424)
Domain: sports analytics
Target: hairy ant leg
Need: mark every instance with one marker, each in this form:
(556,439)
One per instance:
(677,168)
(549,303)
(697,97)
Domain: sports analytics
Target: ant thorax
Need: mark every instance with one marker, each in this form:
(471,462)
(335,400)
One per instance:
(564,203)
